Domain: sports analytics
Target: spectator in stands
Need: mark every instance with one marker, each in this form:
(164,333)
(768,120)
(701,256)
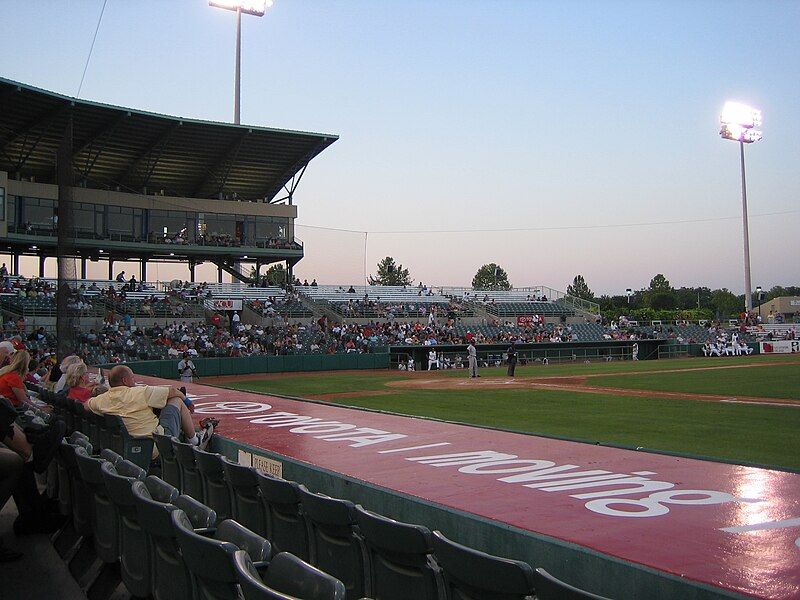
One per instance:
(12,385)
(121,277)
(79,383)
(61,384)
(135,405)
(10,471)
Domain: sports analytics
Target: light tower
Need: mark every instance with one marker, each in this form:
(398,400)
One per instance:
(256,8)
(741,123)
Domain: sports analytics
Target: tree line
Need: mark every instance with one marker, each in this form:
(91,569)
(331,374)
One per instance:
(659,300)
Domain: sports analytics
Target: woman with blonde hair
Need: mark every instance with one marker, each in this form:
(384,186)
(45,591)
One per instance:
(78,383)
(12,385)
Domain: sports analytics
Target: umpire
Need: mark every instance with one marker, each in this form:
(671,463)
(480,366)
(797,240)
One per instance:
(512,359)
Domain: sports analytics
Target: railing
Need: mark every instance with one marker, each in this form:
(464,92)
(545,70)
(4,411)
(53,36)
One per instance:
(45,230)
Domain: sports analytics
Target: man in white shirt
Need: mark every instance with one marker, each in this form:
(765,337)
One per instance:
(432,359)
(186,368)
(472,359)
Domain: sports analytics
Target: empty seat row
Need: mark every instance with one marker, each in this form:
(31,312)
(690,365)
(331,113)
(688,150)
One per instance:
(371,554)
(167,545)
(162,536)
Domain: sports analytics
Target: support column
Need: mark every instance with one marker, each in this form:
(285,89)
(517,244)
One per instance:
(192,266)
(289,273)
(143,271)
(110,269)
(15,264)
(83,268)
(219,274)
(258,271)
(42,258)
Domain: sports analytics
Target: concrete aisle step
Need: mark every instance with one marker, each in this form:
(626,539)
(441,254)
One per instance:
(40,574)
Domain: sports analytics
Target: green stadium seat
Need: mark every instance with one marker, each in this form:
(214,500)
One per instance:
(217,491)
(287,528)
(170,469)
(471,574)
(288,578)
(401,564)
(191,480)
(551,588)
(335,548)
(248,508)
(209,557)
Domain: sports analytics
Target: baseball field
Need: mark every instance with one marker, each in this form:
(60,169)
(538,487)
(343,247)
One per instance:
(735,409)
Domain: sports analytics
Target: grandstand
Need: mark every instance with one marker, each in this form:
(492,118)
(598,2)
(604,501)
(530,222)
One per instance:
(147,187)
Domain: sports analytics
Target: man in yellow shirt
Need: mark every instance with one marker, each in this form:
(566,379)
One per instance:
(135,405)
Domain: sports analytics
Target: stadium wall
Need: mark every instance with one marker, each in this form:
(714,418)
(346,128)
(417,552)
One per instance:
(581,566)
(245,365)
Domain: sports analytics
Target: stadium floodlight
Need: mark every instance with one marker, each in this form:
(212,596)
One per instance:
(257,8)
(740,122)
(629,293)
(249,7)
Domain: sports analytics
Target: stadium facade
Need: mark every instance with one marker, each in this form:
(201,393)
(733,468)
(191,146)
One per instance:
(96,182)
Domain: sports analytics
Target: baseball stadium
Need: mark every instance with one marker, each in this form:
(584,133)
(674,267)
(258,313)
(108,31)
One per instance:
(248,435)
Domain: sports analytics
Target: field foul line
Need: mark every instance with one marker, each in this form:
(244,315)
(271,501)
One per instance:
(735,401)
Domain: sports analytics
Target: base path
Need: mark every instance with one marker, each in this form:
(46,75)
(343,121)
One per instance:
(732,527)
(571,384)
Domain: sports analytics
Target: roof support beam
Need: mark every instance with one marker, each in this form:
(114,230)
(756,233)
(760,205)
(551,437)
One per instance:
(159,142)
(43,119)
(103,132)
(225,161)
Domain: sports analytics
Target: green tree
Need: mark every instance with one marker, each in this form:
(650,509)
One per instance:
(390,273)
(659,283)
(276,275)
(579,289)
(725,303)
(491,277)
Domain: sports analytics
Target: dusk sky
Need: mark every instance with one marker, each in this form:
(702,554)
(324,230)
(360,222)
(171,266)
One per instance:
(553,138)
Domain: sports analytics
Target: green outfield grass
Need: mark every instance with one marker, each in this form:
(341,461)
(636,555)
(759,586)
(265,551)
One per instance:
(738,432)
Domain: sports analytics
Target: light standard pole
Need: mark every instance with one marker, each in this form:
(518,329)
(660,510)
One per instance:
(256,8)
(629,293)
(738,123)
(758,296)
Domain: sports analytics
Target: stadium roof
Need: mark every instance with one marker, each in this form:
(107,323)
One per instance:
(130,150)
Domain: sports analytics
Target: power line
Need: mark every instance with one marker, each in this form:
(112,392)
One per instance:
(91,49)
(553,228)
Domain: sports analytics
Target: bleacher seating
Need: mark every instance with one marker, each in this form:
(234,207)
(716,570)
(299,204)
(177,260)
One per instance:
(167,545)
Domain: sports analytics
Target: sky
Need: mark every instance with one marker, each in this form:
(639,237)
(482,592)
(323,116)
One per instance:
(553,138)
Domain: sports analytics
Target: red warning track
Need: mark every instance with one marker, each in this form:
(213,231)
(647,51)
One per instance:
(729,526)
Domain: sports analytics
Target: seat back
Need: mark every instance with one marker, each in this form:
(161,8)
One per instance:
(288,530)
(105,517)
(400,561)
(470,574)
(138,450)
(64,486)
(295,577)
(170,579)
(80,499)
(135,558)
(253,588)
(247,506)
(216,488)
(210,559)
(93,423)
(334,546)
(552,588)
(191,481)
(111,456)
(170,470)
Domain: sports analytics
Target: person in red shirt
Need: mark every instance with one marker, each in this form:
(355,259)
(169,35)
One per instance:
(12,385)
(78,383)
